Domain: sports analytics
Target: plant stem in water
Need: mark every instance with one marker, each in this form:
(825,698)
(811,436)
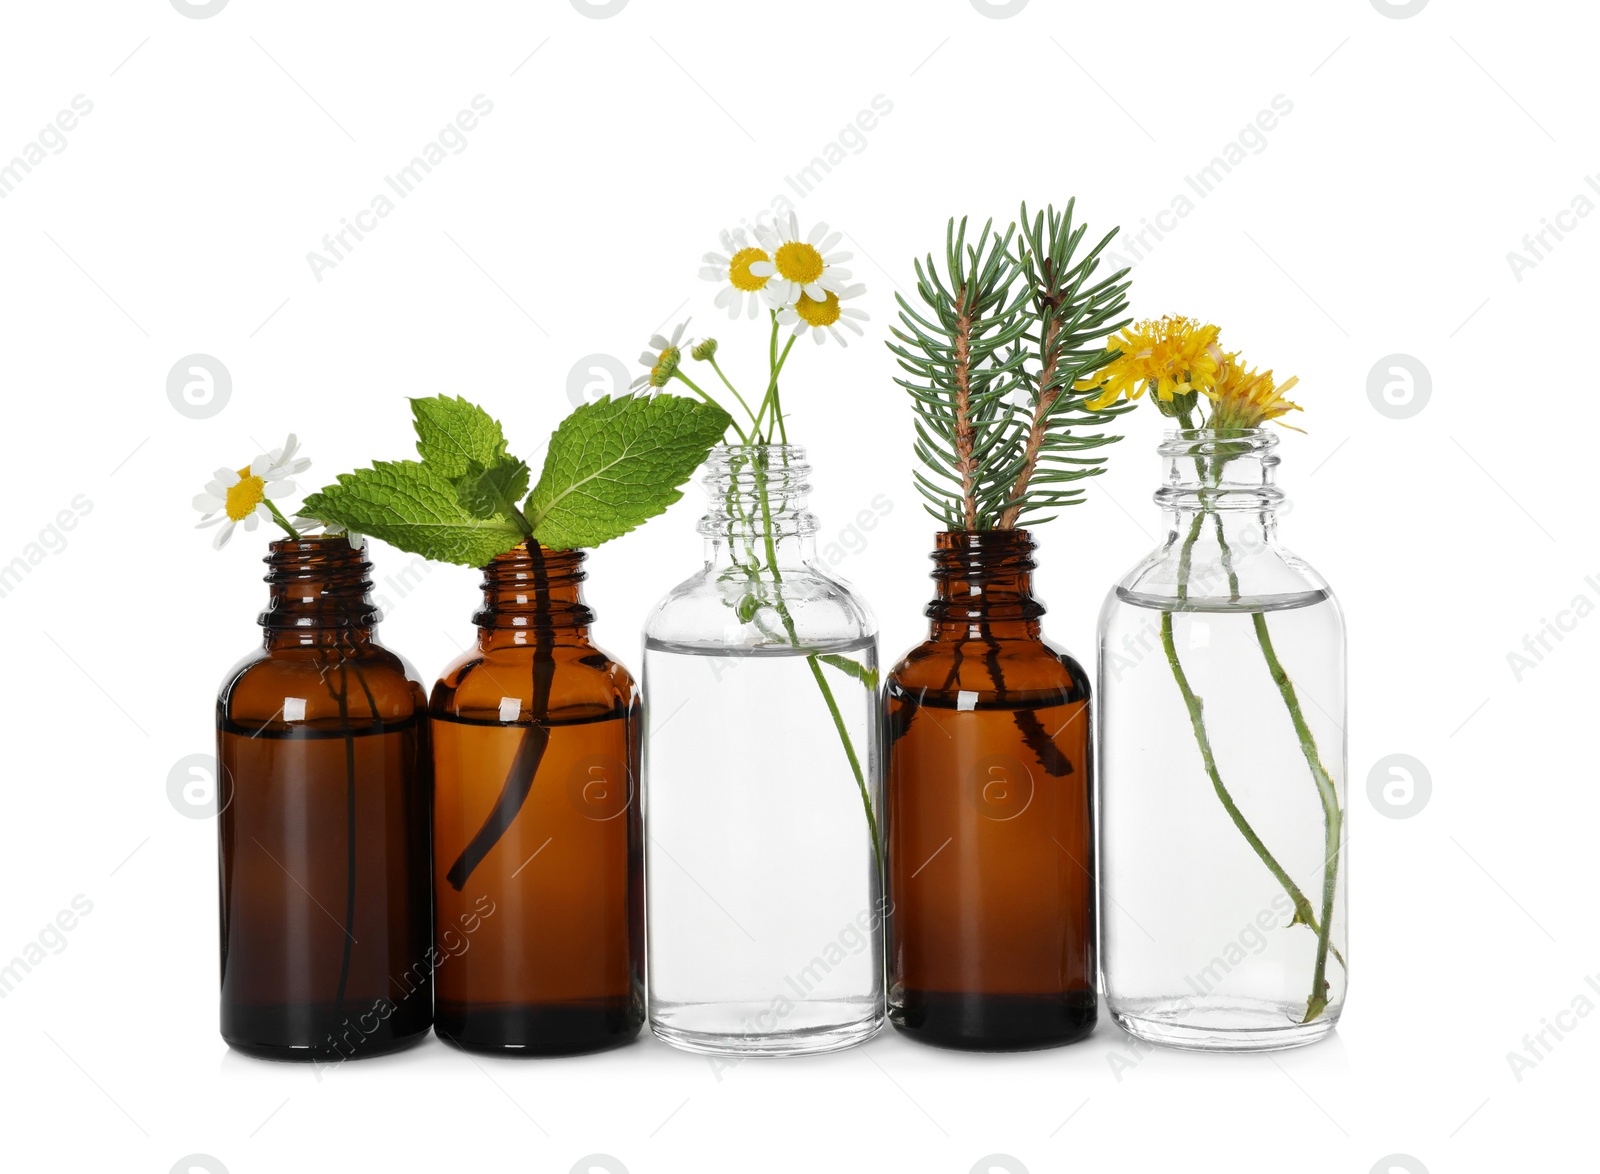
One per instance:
(1327,794)
(816,669)
(1331,816)
(343,697)
(535,736)
(1304,912)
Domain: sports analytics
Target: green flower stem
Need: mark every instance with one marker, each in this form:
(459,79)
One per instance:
(775,361)
(343,697)
(1304,913)
(1196,708)
(1332,819)
(514,511)
(816,670)
(277,516)
(695,387)
(1327,793)
(754,422)
(1308,746)
(850,753)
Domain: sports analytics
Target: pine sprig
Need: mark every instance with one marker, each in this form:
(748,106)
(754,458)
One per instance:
(960,354)
(995,354)
(1074,314)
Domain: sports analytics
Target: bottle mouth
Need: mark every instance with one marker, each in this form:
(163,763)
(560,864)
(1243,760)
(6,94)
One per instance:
(1219,442)
(963,553)
(329,559)
(522,561)
(309,546)
(777,454)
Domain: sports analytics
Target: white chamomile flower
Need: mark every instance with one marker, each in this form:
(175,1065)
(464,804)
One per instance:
(741,289)
(800,266)
(825,315)
(240,497)
(662,359)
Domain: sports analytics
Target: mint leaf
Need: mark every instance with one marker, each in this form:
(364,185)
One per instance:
(495,491)
(409,506)
(452,434)
(615,463)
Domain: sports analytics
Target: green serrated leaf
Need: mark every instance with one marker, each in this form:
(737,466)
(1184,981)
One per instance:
(615,463)
(453,434)
(493,492)
(409,506)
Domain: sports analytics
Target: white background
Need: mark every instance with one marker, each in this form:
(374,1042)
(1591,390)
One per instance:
(1376,220)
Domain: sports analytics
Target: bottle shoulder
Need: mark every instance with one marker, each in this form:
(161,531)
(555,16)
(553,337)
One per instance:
(1210,570)
(722,605)
(499,684)
(319,684)
(990,668)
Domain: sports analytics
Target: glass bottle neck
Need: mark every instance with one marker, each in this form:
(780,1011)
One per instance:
(533,593)
(1221,501)
(983,586)
(317,594)
(1229,473)
(756,517)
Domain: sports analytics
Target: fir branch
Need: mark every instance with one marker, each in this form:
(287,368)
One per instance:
(993,355)
(1070,319)
(955,350)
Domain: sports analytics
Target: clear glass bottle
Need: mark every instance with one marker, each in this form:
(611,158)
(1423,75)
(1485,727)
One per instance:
(323,828)
(991,833)
(538,839)
(1222,768)
(761,748)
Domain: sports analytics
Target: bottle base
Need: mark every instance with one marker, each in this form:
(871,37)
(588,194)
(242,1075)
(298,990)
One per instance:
(976,1022)
(539,1029)
(367,1048)
(686,1033)
(1231,1025)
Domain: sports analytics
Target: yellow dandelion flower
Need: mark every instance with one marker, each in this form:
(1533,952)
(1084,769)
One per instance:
(1244,398)
(1173,355)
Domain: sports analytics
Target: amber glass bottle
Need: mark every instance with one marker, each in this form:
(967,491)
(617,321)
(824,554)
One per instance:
(538,839)
(989,825)
(323,830)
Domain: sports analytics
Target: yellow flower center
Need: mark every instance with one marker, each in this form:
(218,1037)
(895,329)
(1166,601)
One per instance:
(666,363)
(739,269)
(798,261)
(823,313)
(245,496)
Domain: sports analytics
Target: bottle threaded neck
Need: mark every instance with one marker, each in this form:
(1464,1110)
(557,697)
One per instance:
(534,587)
(757,489)
(983,577)
(318,583)
(1219,469)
